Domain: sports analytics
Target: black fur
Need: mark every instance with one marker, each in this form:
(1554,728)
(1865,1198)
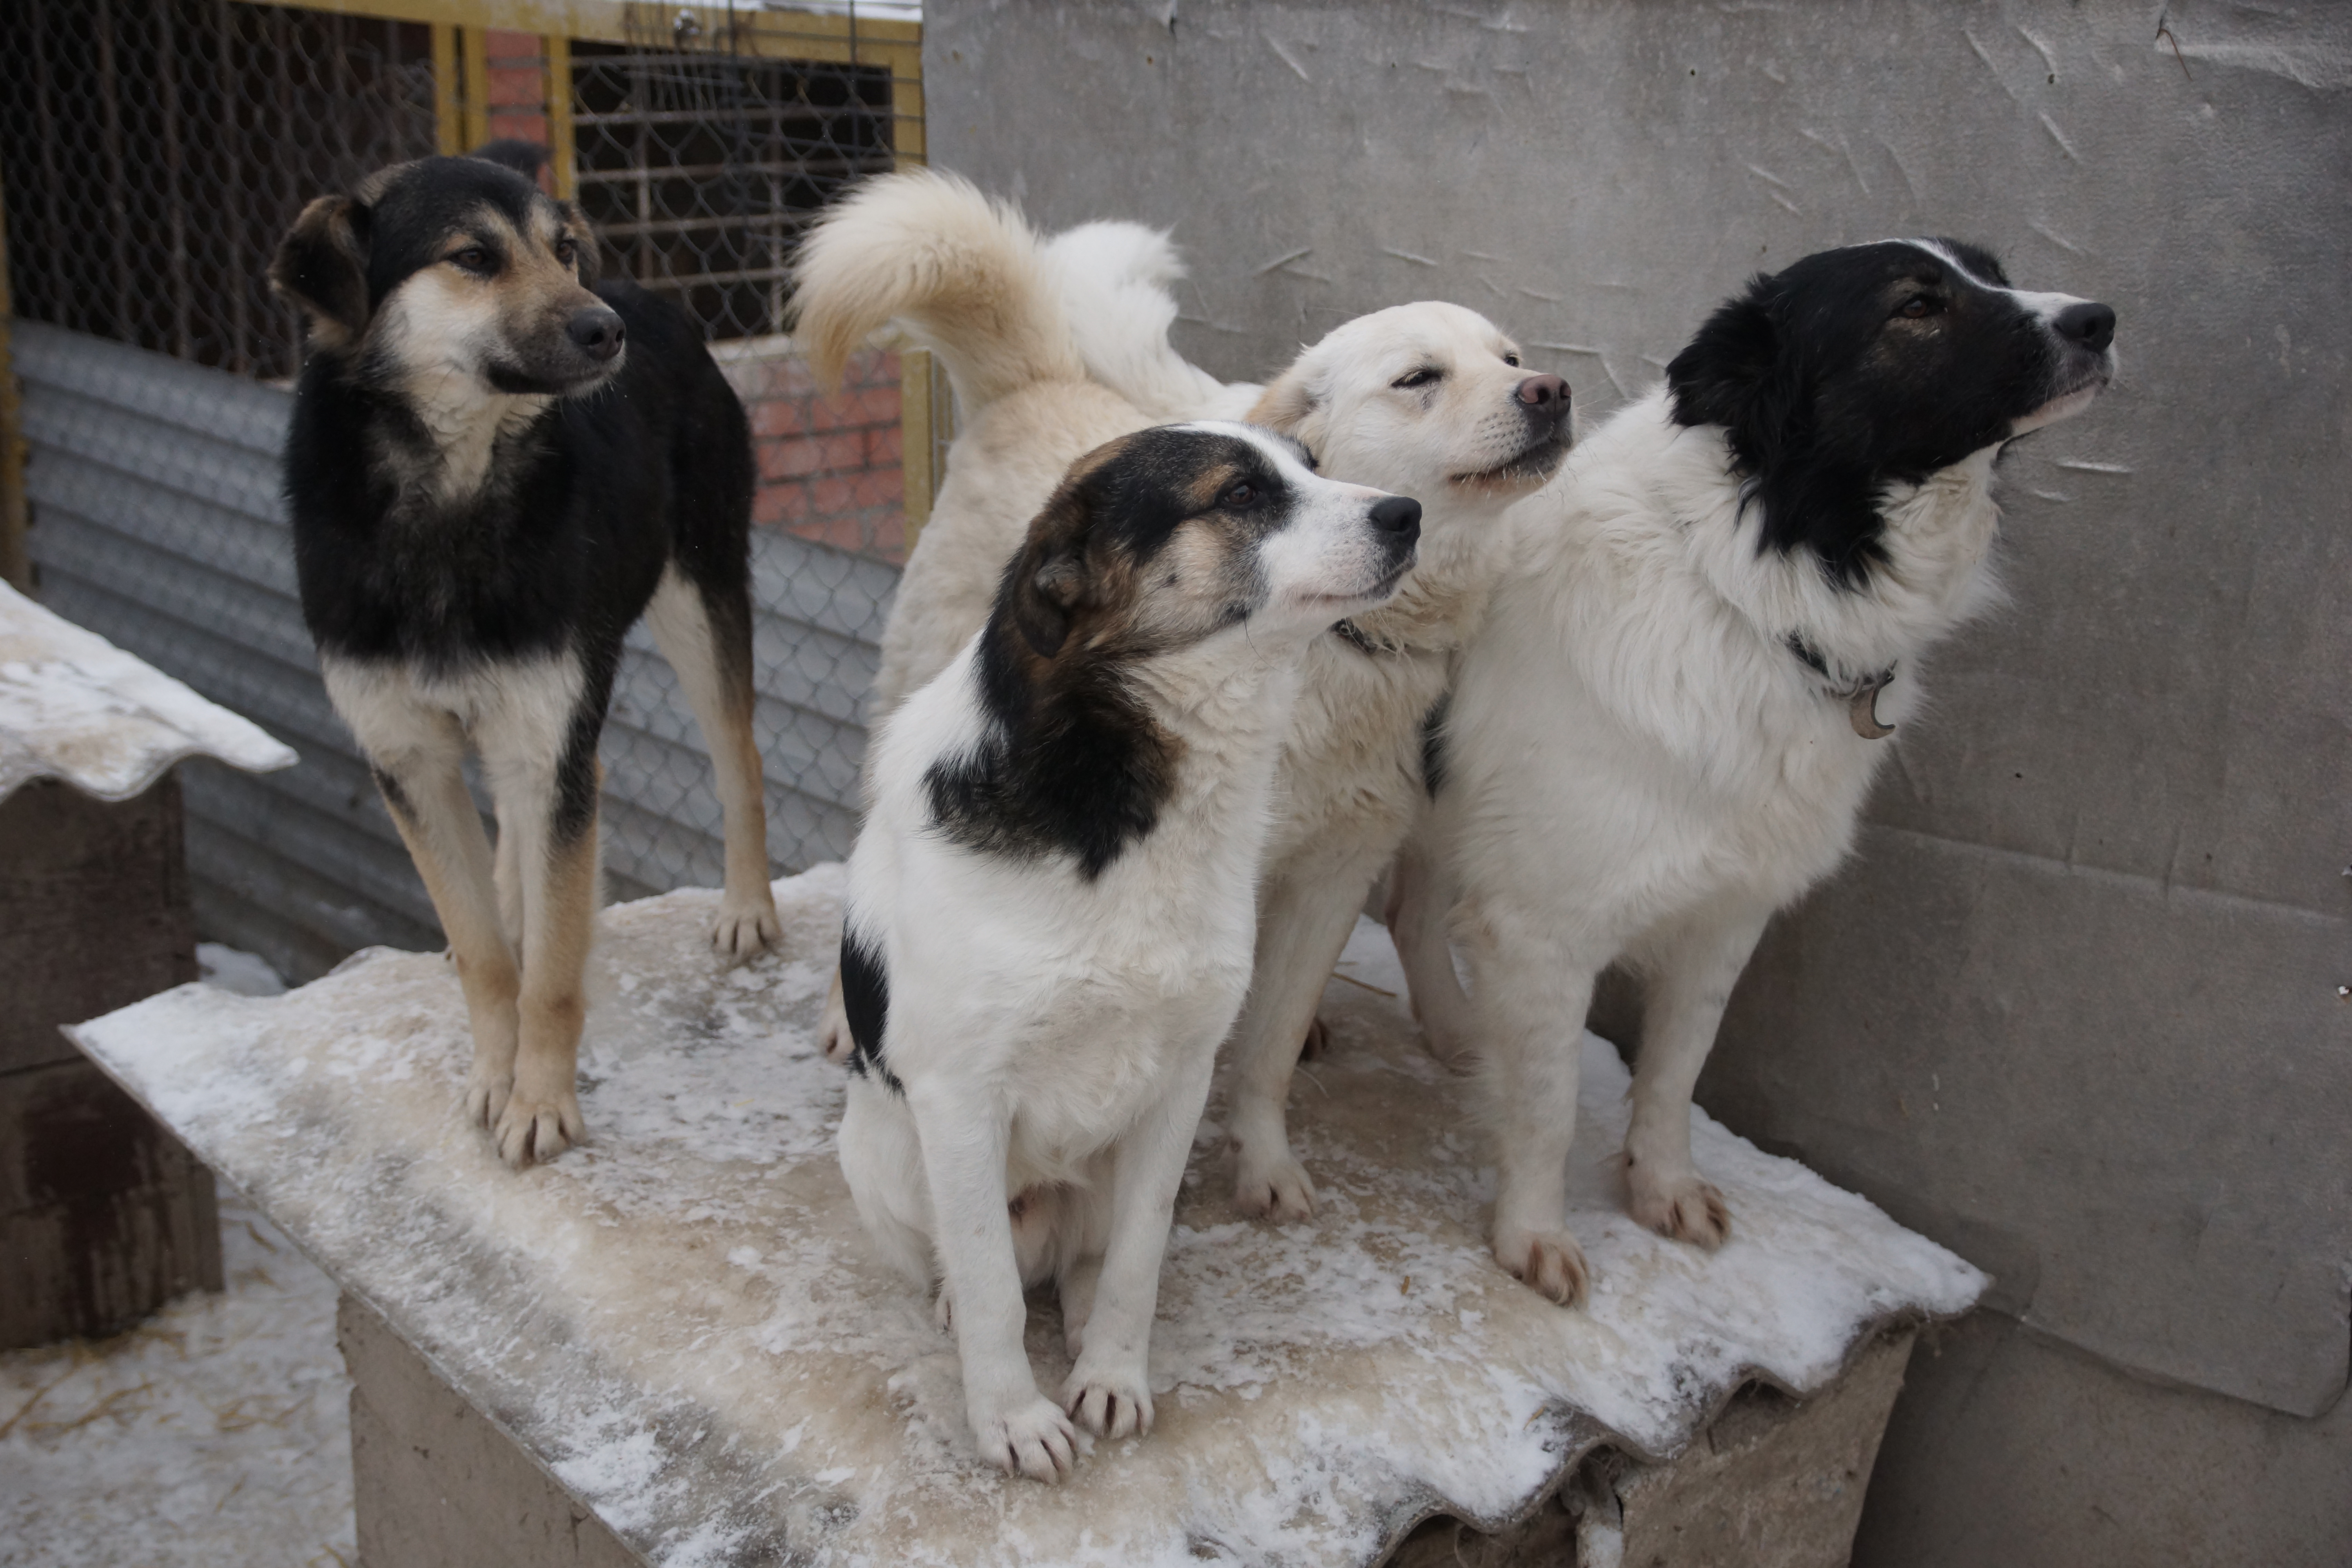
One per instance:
(1829,393)
(1071,762)
(865,998)
(1432,745)
(560,549)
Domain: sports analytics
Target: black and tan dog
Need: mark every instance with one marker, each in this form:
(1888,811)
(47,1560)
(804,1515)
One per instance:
(494,470)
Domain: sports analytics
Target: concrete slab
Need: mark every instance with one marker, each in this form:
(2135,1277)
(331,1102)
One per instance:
(683,1324)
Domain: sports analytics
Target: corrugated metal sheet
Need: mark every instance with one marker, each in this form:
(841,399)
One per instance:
(158,524)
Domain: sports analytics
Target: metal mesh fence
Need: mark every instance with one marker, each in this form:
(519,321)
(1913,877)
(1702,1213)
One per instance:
(152,151)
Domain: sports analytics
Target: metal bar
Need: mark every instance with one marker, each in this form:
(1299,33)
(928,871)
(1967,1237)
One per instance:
(843,165)
(110,145)
(167,66)
(562,149)
(793,34)
(449,93)
(240,355)
(474,45)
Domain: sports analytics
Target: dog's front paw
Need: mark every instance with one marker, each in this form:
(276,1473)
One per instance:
(538,1128)
(1034,1440)
(486,1093)
(1276,1189)
(1679,1208)
(745,930)
(1109,1402)
(1549,1262)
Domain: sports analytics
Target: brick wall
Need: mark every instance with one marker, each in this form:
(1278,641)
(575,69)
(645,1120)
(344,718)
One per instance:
(829,467)
(517,86)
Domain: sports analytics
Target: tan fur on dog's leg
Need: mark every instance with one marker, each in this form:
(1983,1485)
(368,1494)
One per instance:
(542,1118)
(434,812)
(717,681)
(832,1037)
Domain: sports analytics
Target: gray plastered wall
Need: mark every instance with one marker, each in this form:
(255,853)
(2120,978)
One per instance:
(2073,1009)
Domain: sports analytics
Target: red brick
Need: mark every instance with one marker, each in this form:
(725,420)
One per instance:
(779,417)
(799,455)
(885,446)
(780,505)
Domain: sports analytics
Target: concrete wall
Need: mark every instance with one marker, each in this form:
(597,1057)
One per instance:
(2073,1008)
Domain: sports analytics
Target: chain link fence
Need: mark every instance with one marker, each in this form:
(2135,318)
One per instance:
(151,153)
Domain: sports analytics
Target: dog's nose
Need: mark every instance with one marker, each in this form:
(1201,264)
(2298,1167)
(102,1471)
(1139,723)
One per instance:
(2091,326)
(1545,392)
(1399,515)
(598,333)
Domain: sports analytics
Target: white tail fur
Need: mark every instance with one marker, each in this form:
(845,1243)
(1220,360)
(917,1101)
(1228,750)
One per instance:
(1115,280)
(962,274)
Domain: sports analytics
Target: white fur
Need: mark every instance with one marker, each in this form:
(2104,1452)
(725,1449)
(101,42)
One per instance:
(1114,279)
(1054,1036)
(1641,769)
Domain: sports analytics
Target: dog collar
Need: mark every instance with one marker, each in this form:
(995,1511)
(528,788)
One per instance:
(1860,697)
(1355,637)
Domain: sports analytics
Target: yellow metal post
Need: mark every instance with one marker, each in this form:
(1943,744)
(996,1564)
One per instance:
(474,50)
(563,152)
(448,96)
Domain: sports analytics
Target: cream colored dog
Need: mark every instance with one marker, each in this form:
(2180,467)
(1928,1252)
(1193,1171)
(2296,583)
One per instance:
(1427,400)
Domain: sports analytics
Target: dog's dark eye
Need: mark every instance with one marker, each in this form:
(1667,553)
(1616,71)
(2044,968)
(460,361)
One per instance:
(566,252)
(476,258)
(1511,359)
(1919,305)
(1239,497)
(1425,377)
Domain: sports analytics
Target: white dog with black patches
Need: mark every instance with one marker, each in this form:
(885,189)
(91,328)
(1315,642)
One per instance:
(1667,729)
(1049,919)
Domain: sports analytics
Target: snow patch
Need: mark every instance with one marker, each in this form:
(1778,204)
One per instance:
(73,706)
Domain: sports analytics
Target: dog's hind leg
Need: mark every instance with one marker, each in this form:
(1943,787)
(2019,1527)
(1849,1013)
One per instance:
(705,636)
(1302,924)
(1691,968)
(1419,905)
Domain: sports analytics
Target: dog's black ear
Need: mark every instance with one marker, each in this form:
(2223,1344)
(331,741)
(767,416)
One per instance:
(1738,372)
(321,267)
(584,234)
(1050,580)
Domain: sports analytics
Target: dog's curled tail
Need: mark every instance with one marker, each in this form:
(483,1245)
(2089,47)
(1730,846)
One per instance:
(1116,281)
(961,273)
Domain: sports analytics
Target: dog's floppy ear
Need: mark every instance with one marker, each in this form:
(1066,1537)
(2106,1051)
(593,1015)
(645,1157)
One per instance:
(591,256)
(1287,403)
(321,267)
(1050,578)
(1737,373)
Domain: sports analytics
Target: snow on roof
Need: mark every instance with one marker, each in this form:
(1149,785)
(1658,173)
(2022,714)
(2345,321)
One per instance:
(73,706)
(683,1321)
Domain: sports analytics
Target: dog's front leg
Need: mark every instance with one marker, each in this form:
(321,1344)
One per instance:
(963,1137)
(1109,1389)
(1302,925)
(1692,970)
(424,791)
(1530,1001)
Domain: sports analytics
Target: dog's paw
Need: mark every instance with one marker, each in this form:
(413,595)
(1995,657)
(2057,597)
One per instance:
(1109,1402)
(1681,1209)
(486,1093)
(1317,1043)
(1548,1261)
(746,929)
(1036,1441)
(1276,1189)
(537,1130)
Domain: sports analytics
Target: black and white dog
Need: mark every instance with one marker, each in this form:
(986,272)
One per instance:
(1052,903)
(1668,726)
(494,470)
